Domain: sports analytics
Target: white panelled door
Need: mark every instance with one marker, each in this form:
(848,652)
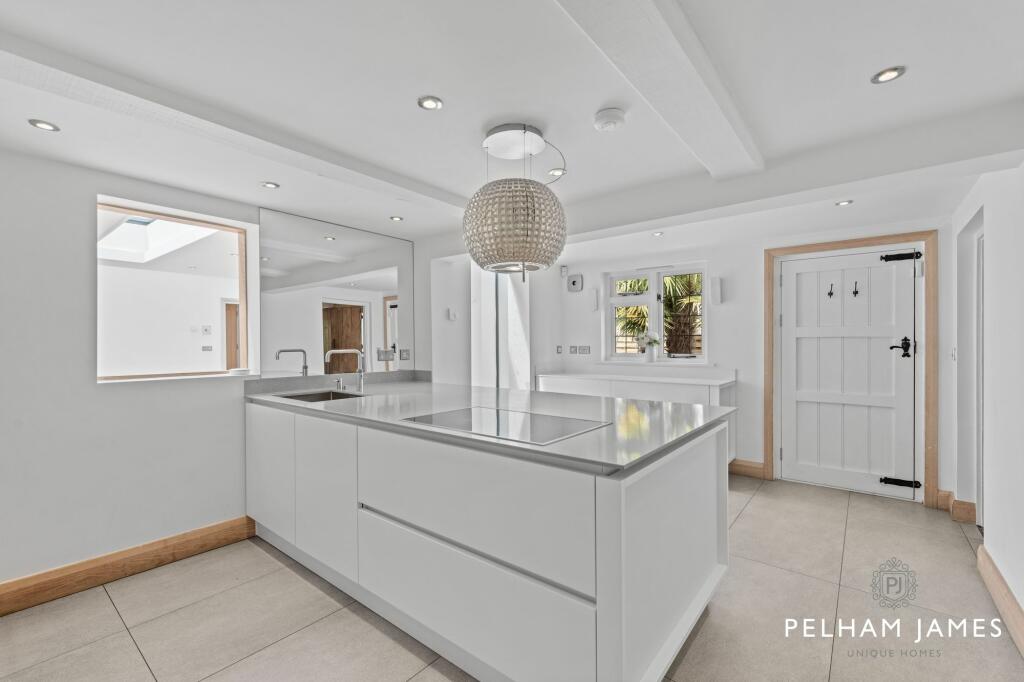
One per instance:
(847,396)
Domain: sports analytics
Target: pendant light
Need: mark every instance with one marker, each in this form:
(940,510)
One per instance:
(514,224)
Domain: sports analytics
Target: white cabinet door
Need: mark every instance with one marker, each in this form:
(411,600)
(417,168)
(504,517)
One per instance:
(270,468)
(673,393)
(325,492)
(525,629)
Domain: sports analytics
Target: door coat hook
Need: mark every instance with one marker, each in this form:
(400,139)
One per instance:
(855,292)
(830,292)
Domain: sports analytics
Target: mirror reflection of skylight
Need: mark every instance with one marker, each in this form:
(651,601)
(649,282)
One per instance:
(137,239)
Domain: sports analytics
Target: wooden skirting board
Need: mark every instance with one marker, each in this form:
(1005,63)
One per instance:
(746,467)
(21,593)
(1009,608)
(962,512)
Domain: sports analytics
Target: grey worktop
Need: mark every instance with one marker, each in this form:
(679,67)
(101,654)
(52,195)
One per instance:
(639,430)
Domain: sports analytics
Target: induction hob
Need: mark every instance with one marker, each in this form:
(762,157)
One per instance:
(525,427)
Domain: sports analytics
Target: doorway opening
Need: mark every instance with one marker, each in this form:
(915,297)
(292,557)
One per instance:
(344,327)
(390,332)
(232,335)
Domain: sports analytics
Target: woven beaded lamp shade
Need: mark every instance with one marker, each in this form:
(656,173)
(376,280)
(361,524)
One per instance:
(514,225)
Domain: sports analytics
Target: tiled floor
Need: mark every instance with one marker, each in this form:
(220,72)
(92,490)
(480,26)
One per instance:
(247,612)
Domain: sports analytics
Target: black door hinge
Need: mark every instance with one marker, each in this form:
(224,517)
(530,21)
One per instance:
(901,256)
(899,481)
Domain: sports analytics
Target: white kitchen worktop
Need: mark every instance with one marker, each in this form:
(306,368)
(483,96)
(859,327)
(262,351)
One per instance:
(638,429)
(698,381)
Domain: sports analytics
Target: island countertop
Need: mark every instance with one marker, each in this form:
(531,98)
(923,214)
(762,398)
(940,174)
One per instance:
(637,430)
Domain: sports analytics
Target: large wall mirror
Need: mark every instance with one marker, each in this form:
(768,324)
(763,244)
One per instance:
(330,287)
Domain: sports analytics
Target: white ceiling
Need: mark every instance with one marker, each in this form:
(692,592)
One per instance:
(726,101)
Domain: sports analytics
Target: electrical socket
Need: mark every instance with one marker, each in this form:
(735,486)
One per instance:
(404,354)
(584,350)
(572,350)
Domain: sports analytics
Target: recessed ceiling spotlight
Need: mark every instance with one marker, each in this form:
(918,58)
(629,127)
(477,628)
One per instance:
(888,75)
(844,202)
(430,102)
(607,120)
(329,238)
(657,234)
(270,185)
(353,284)
(556,172)
(396,218)
(265,259)
(44,125)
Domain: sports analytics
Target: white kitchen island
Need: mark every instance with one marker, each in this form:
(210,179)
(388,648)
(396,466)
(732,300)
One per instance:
(589,557)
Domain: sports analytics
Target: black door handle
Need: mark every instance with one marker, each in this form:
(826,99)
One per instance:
(904,345)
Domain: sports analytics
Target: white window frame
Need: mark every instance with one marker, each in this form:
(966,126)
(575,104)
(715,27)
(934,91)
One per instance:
(652,299)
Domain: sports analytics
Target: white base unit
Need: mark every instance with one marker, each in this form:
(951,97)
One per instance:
(513,569)
(514,623)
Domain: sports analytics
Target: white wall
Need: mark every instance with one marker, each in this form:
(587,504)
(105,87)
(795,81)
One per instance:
(294,319)
(1001,197)
(151,321)
(89,468)
(733,251)
(450,293)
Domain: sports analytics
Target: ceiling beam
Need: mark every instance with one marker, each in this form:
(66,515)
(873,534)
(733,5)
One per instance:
(653,46)
(55,72)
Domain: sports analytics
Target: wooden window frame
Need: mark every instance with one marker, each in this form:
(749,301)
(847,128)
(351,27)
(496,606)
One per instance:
(930,239)
(243,297)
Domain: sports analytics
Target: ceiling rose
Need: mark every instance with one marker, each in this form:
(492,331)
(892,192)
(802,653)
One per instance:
(515,224)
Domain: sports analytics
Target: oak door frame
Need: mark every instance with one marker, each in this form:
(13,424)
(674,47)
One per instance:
(930,239)
(387,346)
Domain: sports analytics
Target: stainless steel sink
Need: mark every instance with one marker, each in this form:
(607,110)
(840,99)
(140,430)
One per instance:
(319,396)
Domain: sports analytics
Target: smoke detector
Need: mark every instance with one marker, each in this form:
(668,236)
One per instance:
(607,120)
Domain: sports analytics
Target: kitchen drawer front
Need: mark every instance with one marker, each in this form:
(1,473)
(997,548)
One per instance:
(537,518)
(523,628)
(673,393)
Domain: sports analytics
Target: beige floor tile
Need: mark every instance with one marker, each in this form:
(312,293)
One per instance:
(875,509)
(352,644)
(326,588)
(803,533)
(742,636)
(971,531)
(211,634)
(892,658)
(34,635)
(443,670)
(112,658)
(947,577)
(741,489)
(744,484)
(825,501)
(145,596)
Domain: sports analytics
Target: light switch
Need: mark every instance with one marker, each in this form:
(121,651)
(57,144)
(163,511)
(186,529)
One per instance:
(207,349)
(558,349)
(404,354)
(207,330)
(584,350)
(572,350)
